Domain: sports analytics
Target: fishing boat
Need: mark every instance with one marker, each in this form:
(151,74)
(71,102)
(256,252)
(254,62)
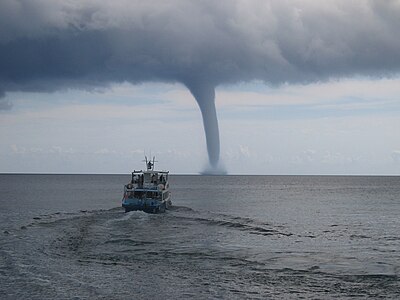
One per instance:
(148,190)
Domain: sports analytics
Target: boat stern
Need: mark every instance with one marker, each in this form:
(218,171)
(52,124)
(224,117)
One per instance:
(146,205)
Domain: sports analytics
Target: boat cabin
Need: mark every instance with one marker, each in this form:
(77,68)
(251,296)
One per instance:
(149,178)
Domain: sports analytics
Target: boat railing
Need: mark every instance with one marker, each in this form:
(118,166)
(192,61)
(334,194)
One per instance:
(152,171)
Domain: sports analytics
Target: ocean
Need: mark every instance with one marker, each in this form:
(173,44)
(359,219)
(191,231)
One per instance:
(226,237)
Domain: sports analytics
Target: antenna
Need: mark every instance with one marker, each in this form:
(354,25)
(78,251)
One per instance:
(145,160)
(149,162)
(154,160)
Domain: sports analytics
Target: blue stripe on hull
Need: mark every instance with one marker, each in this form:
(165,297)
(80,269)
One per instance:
(152,207)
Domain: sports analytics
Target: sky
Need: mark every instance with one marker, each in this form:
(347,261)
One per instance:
(300,87)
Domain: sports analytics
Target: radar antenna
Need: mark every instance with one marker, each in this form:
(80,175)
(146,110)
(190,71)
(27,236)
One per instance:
(149,163)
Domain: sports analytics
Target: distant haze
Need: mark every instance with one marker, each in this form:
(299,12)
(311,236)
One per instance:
(50,45)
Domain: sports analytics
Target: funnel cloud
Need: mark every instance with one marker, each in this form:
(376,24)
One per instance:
(205,96)
(50,45)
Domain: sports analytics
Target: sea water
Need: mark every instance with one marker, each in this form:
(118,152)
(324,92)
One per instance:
(230,237)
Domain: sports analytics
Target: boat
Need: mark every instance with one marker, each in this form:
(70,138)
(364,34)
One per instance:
(148,190)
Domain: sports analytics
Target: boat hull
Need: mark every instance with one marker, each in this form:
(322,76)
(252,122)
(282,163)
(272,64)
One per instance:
(146,205)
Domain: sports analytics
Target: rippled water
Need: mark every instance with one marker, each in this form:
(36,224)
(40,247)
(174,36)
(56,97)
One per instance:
(233,237)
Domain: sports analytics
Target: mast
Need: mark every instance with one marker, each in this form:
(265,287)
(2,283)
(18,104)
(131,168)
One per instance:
(149,163)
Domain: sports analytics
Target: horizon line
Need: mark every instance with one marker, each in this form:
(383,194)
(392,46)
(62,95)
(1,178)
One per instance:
(202,174)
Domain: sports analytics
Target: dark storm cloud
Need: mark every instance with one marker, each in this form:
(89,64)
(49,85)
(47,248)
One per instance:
(50,44)
(46,45)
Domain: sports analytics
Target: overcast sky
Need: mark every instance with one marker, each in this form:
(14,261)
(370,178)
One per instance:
(301,87)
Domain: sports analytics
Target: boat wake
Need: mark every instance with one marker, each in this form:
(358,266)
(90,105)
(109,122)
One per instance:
(109,253)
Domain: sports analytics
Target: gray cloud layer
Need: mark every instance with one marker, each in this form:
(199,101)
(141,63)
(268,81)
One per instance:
(47,45)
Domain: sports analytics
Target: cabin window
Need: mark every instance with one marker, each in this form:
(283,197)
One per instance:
(135,179)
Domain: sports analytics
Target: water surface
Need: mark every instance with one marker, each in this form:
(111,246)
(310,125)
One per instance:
(232,237)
